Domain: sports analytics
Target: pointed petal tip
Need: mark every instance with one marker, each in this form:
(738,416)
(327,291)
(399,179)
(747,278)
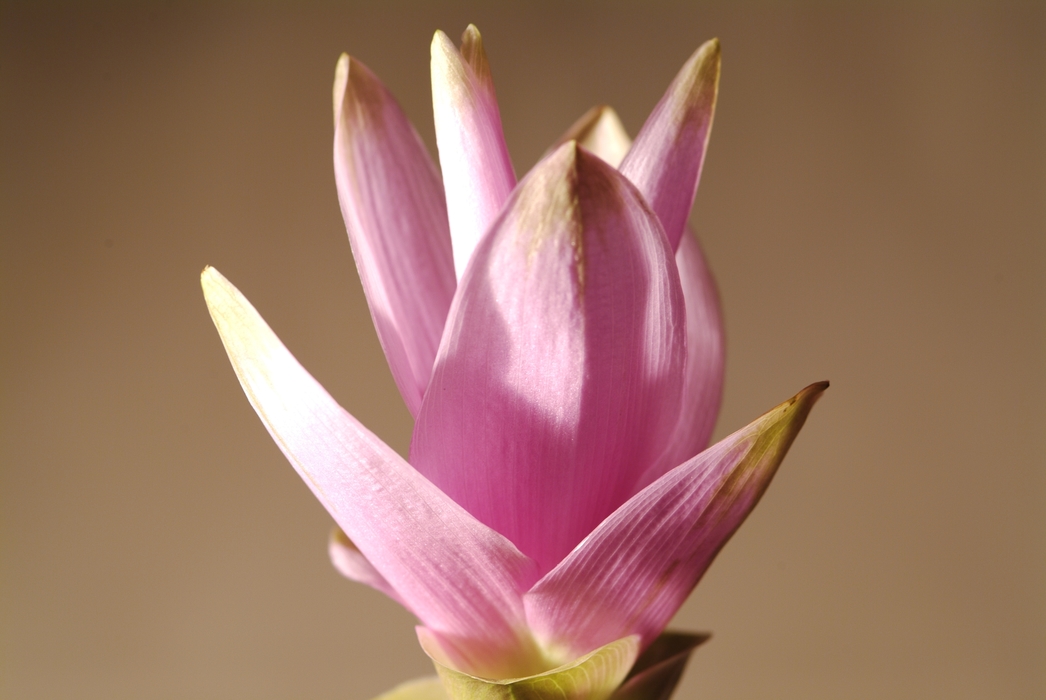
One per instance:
(776,430)
(355,83)
(795,410)
(708,59)
(600,131)
(567,151)
(801,403)
(477,170)
(449,75)
(572,154)
(698,81)
(475,55)
(808,396)
(449,60)
(341,79)
(816,389)
(589,122)
(470,35)
(713,47)
(440,40)
(212,281)
(666,160)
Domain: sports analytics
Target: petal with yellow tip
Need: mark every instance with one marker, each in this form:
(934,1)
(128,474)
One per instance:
(666,159)
(453,572)
(635,570)
(477,170)
(396,217)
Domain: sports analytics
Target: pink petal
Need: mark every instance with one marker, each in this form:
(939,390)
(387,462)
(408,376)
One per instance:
(600,130)
(350,563)
(457,575)
(477,170)
(665,161)
(559,376)
(633,572)
(705,356)
(396,216)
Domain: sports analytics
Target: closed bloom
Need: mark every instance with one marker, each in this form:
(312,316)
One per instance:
(558,341)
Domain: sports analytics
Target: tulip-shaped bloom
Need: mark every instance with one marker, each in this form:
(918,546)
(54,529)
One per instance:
(559,343)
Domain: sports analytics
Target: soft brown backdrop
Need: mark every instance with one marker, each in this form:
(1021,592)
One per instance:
(874,206)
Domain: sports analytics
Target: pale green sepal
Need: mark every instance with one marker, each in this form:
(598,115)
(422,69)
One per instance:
(428,688)
(593,676)
(659,668)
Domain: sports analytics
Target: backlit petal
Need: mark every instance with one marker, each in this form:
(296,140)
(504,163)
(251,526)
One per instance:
(559,377)
(705,361)
(635,570)
(350,563)
(665,161)
(477,170)
(456,574)
(600,130)
(396,216)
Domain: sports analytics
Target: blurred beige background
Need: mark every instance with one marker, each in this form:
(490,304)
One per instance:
(873,204)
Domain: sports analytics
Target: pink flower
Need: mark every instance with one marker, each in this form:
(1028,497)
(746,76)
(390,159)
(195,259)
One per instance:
(558,341)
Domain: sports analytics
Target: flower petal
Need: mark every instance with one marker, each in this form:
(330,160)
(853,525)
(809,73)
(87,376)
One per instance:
(658,670)
(705,362)
(429,688)
(559,375)
(453,572)
(477,170)
(665,161)
(350,563)
(635,570)
(593,676)
(396,216)
(600,130)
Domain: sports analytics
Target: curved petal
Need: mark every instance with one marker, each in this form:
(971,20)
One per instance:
(559,375)
(350,563)
(705,362)
(593,676)
(477,170)
(600,130)
(396,216)
(429,688)
(665,161)
(635,570)
(453,572)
